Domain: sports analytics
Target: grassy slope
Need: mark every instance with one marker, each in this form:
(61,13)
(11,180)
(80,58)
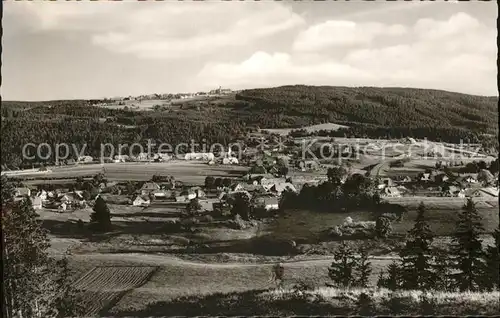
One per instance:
(323,301)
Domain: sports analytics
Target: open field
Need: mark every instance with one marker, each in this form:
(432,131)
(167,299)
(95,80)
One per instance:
(185,171)
(310,129)
(176,277)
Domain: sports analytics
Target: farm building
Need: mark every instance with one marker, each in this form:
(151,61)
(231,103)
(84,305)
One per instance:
(308,165)
(470,179)
(160,194)
(186,196)
(42,195)
(230,161)
(62,207)
(71,198)
(149,187)
(267,203)
(271,181)
(425,177)
(142,157)
(85,159)
(121,158)
(198,192)
(493,191)
(207,156)
(207,205)
(278,188)
(391,192)
(141,201)
(454,191)
(439,178)
(385,182)
(236,187)
(161,157)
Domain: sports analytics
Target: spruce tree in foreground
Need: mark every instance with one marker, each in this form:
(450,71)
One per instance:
(492,277)
(32,280)
(363,269)
(393,279)
(342,268)
(100,219)
(442,273)
(416,255)
(467,251)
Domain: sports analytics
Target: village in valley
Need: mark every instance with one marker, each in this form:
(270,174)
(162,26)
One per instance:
(273,195)
(272,158)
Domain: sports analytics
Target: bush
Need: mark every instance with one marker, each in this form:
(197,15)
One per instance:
(237,223)
(179,240)
(383,227)
(365,305)
(207,218)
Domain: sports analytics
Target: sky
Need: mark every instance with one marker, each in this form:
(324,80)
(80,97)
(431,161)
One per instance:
(70,50)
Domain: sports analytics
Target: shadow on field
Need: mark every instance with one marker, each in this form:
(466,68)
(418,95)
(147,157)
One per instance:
(71,229)
(148,214)
(246,303)
(265,302)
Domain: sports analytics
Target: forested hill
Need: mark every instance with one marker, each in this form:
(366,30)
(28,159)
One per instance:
(382,107)
(368,112)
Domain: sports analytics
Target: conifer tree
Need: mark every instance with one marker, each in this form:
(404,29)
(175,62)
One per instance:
(416,256)
(31,279)
(467,251)
(342,268)
(101,217)
(393,279)
(363,269)
(492,278)
(442,273)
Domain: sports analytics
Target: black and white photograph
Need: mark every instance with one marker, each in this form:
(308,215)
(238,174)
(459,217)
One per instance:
(249,158)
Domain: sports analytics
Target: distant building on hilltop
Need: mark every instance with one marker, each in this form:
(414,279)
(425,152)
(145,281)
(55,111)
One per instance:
(220,91)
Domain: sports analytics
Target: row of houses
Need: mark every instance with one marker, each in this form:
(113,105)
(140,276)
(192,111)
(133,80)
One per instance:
(51,199)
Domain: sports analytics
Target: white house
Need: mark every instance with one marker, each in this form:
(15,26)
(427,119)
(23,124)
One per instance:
(425,177)
(159,194)
(121,158)
(62,207)
(278,188)
(185,196)
(236,187)
(42,195)
(36,202)
(22,192)
(229,161)
(142,157)
(267,203)
(470,179)
(391,192)
(85,159)
(207,156)
(141,201)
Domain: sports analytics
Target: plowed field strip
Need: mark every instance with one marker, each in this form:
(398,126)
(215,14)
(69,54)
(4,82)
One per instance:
(102,287)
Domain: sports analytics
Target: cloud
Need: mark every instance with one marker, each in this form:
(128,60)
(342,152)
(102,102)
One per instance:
(339,33)
(264,69)
(457,24)
(441,59)
(164,30)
